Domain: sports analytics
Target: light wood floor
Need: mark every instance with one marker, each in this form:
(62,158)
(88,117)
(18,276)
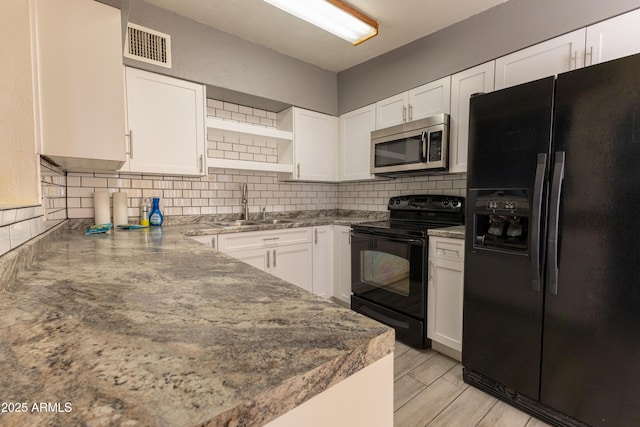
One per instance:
(429,391)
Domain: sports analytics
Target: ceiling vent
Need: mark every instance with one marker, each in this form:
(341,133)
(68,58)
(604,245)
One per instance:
(148,45)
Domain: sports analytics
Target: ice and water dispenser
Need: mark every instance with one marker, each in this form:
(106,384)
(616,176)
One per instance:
(501,220)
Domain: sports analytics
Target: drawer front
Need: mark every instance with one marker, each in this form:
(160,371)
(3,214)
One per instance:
(263,239)
(206,240)
(446,248)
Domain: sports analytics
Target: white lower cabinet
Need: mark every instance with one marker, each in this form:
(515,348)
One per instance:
(445,291)
(323,261)
(208,240)
(287,254)
(342,265)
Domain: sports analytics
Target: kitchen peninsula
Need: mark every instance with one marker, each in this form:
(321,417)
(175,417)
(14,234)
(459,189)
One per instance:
(147,327)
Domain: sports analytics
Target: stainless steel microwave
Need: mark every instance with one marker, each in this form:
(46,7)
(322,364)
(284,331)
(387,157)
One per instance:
(411,148)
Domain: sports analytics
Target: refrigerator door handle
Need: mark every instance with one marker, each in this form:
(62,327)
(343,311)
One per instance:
(541,169)
(554,217)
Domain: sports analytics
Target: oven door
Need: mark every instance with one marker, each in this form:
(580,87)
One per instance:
(389,271)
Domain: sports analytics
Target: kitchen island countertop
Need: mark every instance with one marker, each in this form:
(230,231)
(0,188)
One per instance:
(147,327)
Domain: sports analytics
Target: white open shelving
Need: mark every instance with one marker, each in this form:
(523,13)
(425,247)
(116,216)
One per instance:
(230,128)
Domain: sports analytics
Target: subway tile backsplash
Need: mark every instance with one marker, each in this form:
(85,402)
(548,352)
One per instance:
(219,191)
(21,224)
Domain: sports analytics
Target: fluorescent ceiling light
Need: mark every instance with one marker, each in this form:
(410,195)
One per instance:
(332,16)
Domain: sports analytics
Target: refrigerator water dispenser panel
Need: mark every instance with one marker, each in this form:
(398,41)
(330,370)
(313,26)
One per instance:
(501,220)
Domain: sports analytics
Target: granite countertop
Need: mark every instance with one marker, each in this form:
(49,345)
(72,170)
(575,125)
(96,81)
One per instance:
(148,327)
(455,232)
(205,227)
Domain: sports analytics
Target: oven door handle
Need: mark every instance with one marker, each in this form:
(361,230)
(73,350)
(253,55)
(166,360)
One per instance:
(386,237)
(423,147)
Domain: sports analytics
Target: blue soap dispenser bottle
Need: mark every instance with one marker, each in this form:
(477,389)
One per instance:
(155,216)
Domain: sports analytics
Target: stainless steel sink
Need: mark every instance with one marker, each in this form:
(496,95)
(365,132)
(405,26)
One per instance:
(274,221)
(234,223)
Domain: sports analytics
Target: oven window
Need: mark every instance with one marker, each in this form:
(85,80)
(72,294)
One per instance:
(385,271)
(399,152)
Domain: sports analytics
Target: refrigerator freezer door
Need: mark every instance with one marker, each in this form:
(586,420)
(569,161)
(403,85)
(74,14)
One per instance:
(510,133)
(591,336)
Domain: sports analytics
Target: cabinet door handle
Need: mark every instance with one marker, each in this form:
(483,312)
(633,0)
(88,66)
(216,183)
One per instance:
(404,113)
(274,257)
(268,259)
(410,112)
(431,267)
(201,163)
(575,59)
(298,167)
(590,55)
(315,237)
(130,144)
(270,238)
(213,242)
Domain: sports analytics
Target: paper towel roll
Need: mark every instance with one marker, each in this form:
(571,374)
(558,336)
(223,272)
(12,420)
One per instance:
(120,209)
(101,207)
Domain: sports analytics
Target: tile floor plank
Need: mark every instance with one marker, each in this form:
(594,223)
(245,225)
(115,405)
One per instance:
(504,415)
(405,388)
(432,369)
(423,408)
(410,359)
(466,410)
(534,422)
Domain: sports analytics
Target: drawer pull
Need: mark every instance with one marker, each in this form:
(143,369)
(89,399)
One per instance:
(270,238)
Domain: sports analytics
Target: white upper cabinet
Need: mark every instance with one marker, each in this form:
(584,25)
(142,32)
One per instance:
(355,143)
(314,152)
(165,117)
(613,38)
(392,111)
(79,85)
(423,101)
(430,99)
(545,59)
(464,84)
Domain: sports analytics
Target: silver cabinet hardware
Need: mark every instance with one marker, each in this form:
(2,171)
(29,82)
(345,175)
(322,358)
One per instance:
(315,238)
(410,112)
(130,134)
(274,257)
(404,113)
(268,259)
(201,163)
(298,170)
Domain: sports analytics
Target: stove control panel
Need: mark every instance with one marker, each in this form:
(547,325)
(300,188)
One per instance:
(424,202)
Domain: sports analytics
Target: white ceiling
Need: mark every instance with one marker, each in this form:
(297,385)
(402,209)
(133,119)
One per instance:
(400,22)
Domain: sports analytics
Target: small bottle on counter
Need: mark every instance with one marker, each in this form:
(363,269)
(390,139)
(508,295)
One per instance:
(155,217)
(144,212)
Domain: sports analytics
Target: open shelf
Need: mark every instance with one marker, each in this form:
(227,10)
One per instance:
(228,127)
(248,165)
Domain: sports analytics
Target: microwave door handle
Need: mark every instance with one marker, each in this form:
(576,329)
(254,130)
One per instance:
(423,145)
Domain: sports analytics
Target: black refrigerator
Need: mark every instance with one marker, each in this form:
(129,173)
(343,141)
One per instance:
(552,263)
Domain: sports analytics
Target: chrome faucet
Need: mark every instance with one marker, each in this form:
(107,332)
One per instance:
(245,200)
(264,213)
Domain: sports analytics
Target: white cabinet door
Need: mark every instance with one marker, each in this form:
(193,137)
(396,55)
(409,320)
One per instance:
(613,38)
(430,99)
(315,145)
(342,254)
(254,257)
(323,261)
(293,263)
(392,111)
(545,59)
(445,292)
(355,143)
(166,124)
(79,84)
(463,85)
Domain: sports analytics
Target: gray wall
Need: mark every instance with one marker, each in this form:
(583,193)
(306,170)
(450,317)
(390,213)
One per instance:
(234,65)
(501,30)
